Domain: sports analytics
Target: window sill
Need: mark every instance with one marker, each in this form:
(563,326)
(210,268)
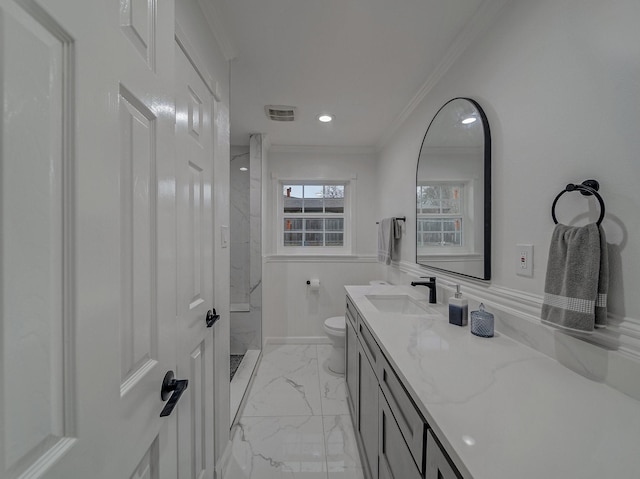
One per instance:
(450,257)
(320,258)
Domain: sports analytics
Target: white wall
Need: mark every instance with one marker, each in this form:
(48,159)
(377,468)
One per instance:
(209,58)
(289,309)
(559,82)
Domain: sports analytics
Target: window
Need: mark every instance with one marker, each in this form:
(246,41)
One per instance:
(440,215)
(313,217)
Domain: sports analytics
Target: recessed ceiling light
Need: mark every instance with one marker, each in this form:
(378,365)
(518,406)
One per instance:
(468,121)
(244,168)
(325,118)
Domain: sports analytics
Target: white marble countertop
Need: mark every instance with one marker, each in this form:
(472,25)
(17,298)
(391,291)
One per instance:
(501,409)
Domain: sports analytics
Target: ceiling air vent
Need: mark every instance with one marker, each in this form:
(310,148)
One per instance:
(280,112)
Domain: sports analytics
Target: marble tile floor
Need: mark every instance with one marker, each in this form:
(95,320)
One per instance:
(295,423)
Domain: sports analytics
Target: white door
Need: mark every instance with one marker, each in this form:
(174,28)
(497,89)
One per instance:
(194,165)
(88,249)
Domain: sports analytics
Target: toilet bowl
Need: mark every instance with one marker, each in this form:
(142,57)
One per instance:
(335,328)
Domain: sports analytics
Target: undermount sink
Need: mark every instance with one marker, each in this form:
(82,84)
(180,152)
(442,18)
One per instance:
(398,303)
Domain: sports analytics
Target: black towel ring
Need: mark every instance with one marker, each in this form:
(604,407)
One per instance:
(587,188)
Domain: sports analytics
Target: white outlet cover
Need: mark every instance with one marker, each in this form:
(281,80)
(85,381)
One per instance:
(524,260)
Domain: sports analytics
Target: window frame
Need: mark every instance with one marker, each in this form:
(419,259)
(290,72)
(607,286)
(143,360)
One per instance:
(348,231)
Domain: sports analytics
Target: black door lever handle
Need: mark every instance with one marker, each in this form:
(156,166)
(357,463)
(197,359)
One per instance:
(174,388)
(212,317)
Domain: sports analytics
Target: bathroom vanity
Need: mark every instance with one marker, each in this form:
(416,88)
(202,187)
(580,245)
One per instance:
(429,399)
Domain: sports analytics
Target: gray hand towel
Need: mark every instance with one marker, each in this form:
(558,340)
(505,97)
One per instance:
(577,278)
(385,240)
(603,283)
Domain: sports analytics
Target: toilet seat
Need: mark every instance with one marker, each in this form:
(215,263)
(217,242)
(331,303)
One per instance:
(335,324)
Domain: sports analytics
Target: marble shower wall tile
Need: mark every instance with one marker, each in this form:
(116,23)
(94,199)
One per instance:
(239,226)
(257,153)
(246,249)
(286,383)
(243,335)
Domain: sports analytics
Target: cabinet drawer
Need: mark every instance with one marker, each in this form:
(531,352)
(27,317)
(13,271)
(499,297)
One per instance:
(351,370)
(410,422)
(368,393)
(439,465)
(369,344)
(351,313)
(395,460)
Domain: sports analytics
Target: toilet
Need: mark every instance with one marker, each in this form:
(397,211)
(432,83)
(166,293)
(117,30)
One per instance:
(335,328)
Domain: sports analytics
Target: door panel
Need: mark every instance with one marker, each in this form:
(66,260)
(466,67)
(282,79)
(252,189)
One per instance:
(34,279)
(148,467)
(200,370)
(138,327)
(137,21)
(88,249)
(195,236)
(194,166)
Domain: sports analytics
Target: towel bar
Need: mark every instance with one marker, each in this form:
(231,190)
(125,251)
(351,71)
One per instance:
(587,188)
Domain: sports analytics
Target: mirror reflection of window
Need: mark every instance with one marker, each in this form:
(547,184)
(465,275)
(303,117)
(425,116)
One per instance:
(440,215)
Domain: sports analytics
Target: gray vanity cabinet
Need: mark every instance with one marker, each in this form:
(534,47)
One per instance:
(368,412)
(395,461)
(390,431)
(438,465)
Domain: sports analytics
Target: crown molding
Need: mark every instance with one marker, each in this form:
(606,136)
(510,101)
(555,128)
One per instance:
(478,24)
(215,19)
(336,150)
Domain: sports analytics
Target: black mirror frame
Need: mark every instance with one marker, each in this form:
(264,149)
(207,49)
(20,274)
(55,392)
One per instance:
(487,189)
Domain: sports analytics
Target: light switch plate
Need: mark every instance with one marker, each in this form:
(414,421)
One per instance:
(524,260)
(224,236)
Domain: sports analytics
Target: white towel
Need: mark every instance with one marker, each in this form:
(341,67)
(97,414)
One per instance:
(389,231)
(575,292)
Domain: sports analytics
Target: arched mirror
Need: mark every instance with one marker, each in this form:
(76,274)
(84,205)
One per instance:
(453,188)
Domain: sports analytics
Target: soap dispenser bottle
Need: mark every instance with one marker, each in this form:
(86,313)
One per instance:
(458,309)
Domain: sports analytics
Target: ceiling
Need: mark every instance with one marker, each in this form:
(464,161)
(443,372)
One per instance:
(363,61)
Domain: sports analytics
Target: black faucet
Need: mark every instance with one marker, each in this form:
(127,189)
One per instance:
(431,284)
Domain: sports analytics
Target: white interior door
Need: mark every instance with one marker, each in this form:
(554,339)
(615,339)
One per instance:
(194,160)
(88,249)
